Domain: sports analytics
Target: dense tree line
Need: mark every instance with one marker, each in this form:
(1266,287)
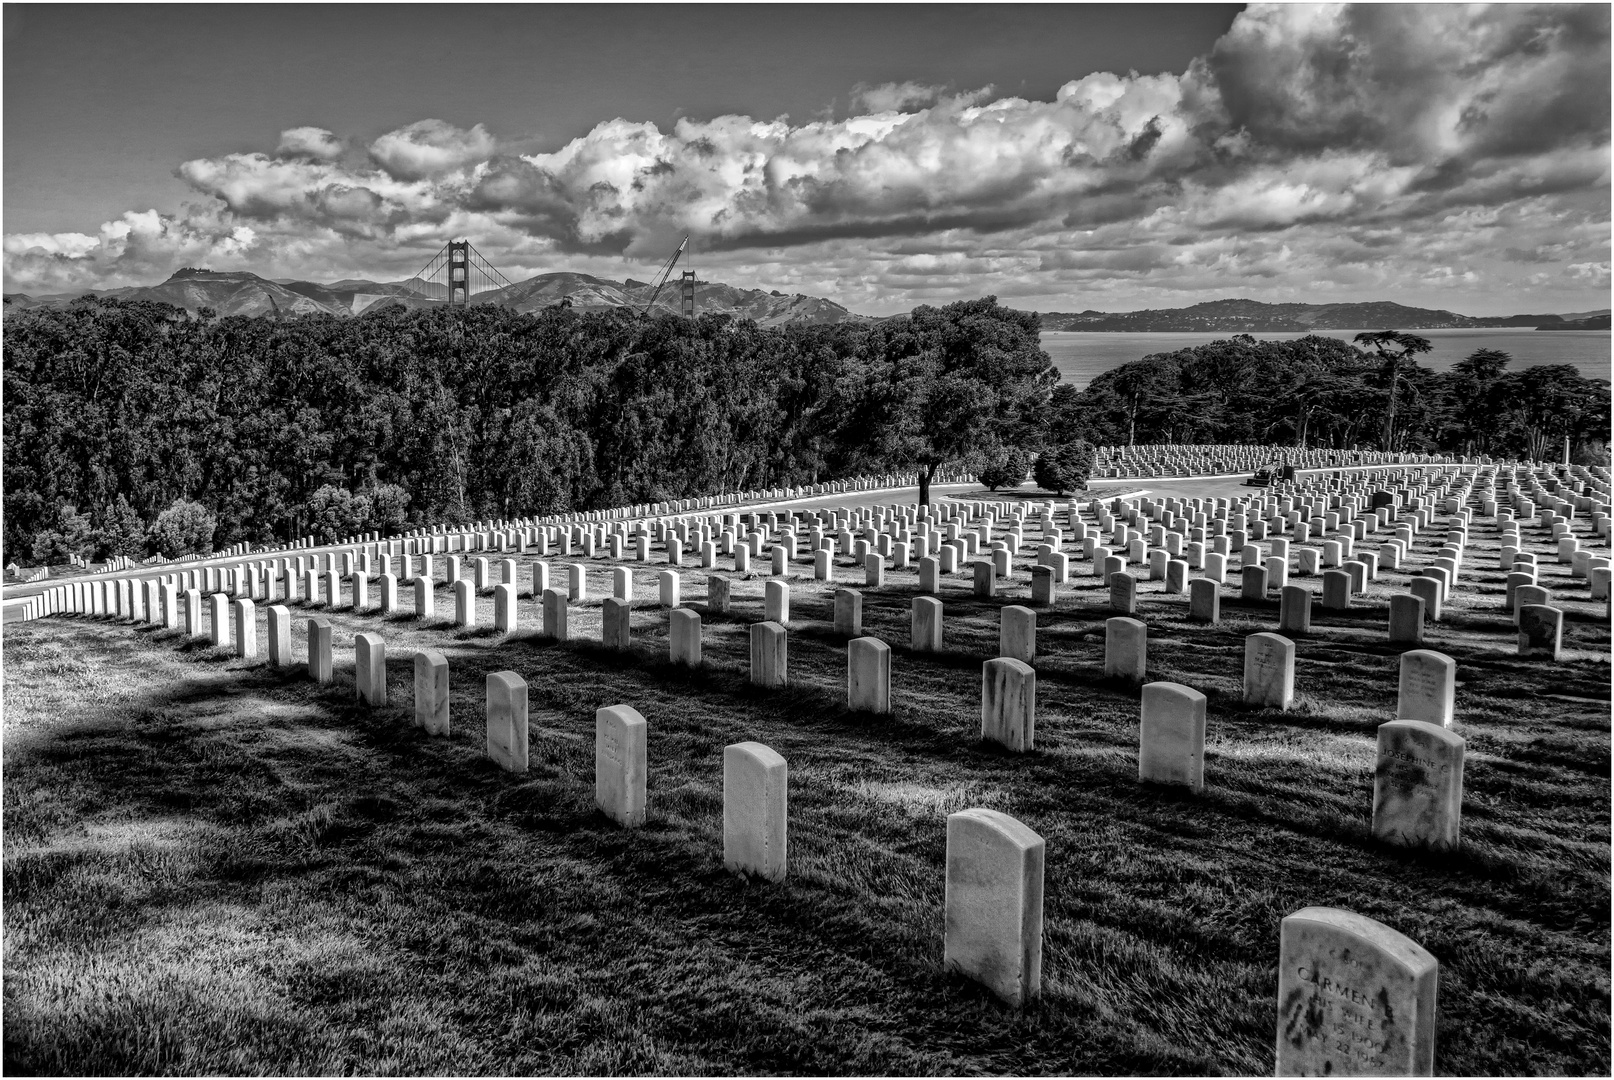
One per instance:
(255,429)
(1370,394)
(134,428)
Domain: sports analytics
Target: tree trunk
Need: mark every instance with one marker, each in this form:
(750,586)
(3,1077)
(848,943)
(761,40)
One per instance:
(926,473)
(1389,420)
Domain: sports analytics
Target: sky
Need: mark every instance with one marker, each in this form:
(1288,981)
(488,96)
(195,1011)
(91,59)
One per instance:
(1062,157)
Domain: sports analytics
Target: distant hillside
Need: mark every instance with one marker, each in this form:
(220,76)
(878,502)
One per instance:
(1586,322)
(234,293)
(1251,316)
(243,293)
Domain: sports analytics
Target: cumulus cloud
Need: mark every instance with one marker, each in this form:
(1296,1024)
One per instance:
(68,245)
(309,142)
(430,147)
(1314,147)
(895,97)
(1428,84)
(134,249)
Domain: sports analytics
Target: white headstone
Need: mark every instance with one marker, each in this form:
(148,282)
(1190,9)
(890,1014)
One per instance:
(370,668)
(993,903)
(431,692)
(868,675)
(684,636)
(926,624)
(246,629)
(848,612)
(554,614)
(620,764)
(319,651)
(1125,648)
(769,655)
(1541,630)
(1171,735)
(615,624)
(279,636)
(1017,633)
(1418,785)
(219,614)
(1428,687)
(1355,998)
(1009,704)
(504,608)
(776,602)
(754,810)
(1269,671)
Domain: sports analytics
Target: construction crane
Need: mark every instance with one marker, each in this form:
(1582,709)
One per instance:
(661,282)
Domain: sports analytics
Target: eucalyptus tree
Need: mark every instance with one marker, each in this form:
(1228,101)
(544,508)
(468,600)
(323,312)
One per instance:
(1396,351)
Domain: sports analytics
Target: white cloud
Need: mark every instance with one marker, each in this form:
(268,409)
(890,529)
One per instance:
(897,97)
(1594,274)
(311,142)
(429,147)
(1393,147)
(66,245)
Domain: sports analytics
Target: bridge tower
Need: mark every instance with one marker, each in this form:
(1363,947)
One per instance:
(686,289)
(459,272)
(455,274)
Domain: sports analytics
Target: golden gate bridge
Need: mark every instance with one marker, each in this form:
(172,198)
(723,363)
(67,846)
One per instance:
(458,273)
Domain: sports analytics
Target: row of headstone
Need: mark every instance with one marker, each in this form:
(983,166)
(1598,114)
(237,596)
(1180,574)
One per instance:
(858,484)
(1334,597)
(399,546)
(1167,460)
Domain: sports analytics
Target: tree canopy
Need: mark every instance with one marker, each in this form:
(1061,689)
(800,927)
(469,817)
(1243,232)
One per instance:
(1323,392)
(117,412)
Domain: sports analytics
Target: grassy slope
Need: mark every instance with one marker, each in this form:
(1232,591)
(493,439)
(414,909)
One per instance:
(211,866)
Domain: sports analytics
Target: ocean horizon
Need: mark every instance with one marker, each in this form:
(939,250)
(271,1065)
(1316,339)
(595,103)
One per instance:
(1080,356)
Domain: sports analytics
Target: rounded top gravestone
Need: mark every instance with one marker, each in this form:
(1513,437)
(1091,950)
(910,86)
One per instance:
(1355,998)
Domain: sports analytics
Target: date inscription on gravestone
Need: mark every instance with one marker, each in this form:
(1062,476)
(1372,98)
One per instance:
(1355,998)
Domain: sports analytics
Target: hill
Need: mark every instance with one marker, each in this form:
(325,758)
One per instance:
(1251,316)
(1588,322)
(239,292)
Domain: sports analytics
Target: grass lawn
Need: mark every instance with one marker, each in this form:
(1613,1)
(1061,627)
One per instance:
(212,866)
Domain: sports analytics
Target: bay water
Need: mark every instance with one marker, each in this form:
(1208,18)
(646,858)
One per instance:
(1082,355)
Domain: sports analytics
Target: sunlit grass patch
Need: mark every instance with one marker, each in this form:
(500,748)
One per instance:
(922,800)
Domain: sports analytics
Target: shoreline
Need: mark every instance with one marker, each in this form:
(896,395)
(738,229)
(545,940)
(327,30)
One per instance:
(1326,332)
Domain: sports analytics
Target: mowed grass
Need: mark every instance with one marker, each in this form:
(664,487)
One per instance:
(212,866)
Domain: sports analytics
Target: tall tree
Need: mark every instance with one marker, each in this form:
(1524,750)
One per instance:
(1396,351)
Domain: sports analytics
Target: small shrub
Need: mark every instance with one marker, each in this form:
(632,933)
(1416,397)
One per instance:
(185,528)
(1065,467)
(1005,470)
